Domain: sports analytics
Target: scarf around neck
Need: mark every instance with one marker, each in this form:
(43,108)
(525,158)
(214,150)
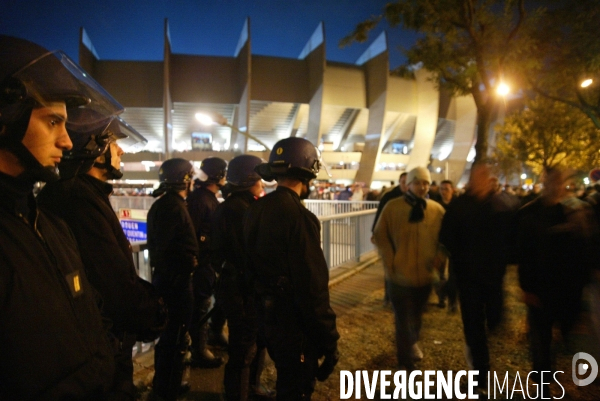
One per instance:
(419,205)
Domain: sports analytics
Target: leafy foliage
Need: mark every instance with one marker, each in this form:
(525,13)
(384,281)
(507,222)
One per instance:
(547,133)
(567,52)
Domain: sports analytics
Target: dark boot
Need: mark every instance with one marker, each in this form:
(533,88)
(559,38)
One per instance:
(202,357)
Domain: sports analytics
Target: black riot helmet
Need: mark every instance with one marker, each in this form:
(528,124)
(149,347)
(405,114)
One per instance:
(174,175)
(240,171)
(31,77)
(291,157)
(93,140)
(212,170)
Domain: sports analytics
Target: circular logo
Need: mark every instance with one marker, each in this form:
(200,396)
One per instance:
(595,175)
(279,150)
(584,365)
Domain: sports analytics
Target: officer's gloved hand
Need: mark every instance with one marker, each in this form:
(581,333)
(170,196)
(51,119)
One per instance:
(327,366)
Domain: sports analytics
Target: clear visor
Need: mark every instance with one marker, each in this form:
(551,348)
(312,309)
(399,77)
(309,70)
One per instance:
(55,77)
(129,138)
(322,164)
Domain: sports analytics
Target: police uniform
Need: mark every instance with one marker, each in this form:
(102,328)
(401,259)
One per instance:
(83,202)
(283,242)
(173,256)
(54,345)
(235,292)
(202,204)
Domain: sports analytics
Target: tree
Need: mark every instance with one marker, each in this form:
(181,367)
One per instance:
(567,52)
(547,133)
(468,45)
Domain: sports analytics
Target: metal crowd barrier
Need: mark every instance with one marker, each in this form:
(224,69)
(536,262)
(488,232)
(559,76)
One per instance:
(344,238)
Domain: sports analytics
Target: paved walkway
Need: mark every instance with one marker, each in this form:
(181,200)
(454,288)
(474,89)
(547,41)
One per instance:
(349,286)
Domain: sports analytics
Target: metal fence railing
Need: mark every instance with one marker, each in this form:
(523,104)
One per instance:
(318,207)
(331,207)
(344,238)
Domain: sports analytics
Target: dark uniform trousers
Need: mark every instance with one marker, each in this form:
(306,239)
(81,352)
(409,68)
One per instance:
(239,307)
(172,346)
(295,356)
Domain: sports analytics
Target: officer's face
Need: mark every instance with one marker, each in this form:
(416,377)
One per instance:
(46,136)
(115,155)
(257,189)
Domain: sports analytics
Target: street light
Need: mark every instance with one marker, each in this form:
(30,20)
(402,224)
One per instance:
(587,83)
(219,119)
(502,89)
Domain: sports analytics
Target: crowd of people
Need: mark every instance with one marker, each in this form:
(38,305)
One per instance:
(72,305)
(461,246)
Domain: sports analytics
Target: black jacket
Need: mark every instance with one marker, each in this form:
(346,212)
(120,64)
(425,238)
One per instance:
(54,345)
(172,240)
(228,233)
(396,192)
(201,204)
(556,248)
(83,202)
(475,232)
(282,238)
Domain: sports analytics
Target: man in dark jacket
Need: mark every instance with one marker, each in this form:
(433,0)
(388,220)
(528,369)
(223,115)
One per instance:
(235,292)
(54,344)
(173,252)
(201,204)
(474,231)
(81,198)
(283,243)
(556,249)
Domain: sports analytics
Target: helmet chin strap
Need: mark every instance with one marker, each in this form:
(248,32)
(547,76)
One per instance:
(111,172)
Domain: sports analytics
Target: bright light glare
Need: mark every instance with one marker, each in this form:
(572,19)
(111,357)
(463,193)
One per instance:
(523,176)
(587,83)
(204,119)
(503,89)
(586,181)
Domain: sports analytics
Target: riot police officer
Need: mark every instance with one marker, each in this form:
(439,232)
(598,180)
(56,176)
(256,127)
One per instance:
(54,345)
(282,239)
(81,198)
(235,292)
(173,252)
(202,203)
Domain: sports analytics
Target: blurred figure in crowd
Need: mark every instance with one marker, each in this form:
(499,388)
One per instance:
(407,238)
(556,243)
(475,231)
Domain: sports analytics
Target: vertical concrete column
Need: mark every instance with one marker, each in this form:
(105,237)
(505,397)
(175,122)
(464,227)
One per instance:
(87,54)
(428,105)
(314,54)
(167,101)
(464,136)
(243,55)
(376,66)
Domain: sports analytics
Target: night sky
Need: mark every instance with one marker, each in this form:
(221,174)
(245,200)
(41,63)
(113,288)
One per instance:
(133,30)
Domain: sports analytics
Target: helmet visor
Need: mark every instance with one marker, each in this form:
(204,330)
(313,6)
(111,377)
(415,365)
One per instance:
(129,138)
(55,77)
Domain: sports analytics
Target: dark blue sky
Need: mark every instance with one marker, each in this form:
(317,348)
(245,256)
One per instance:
(133,30)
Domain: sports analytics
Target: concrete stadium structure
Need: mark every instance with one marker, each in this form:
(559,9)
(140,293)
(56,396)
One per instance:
(370,124)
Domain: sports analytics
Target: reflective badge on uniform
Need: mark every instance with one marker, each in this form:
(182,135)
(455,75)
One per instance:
(74,281)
